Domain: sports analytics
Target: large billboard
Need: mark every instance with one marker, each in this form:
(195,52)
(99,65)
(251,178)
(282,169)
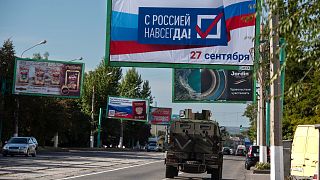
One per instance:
(210,85)
(126,108)
(48,78)
(180,33)
(160,116)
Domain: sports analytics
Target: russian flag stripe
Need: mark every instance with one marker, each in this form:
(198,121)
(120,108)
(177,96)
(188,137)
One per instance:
(238,9)
(124,34)
(125,20)
(240,21)
(129,47)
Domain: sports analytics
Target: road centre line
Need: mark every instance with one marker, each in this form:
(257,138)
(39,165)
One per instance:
(111,170)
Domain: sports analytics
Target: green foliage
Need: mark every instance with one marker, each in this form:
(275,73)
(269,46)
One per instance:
(103,82)
(132,86)
(262,166)
(7,103)
(7,59)
(251,113)
(299,25)
(146,91)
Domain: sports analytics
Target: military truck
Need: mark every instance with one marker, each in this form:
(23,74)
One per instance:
(194,145)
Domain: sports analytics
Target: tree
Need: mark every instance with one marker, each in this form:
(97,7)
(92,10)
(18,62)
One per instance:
(7,104)
(146,91)
(104,80)
(251,113)
(131,87)
(299,25)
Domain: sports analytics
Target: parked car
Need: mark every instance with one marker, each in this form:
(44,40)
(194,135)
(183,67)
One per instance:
(20,146)
(152,146)
(232,151)
(252,157)
(35,142)
(241,150)
(226,150)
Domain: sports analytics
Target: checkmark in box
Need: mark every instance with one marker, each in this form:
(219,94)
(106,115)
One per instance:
(215,25)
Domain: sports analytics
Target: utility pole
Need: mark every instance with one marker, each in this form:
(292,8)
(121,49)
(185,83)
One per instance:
(92,119)
(99,129)
(256,60)
(262,102)
(262,115)
(277,171)
(258,121)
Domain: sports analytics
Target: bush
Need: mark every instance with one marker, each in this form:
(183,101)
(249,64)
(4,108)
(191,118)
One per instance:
(262,166)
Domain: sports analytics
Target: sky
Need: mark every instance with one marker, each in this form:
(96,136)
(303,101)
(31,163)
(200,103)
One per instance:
(77,28)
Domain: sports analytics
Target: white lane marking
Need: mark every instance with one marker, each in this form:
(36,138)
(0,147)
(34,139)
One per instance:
(178,174)
(111,170)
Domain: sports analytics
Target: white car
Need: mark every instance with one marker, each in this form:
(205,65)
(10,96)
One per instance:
(20,146)
(152,146)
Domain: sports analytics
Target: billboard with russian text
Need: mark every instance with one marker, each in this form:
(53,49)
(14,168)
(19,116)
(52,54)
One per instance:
(160,116)
(212,85)
(48,78)
(178,33)
(126,108)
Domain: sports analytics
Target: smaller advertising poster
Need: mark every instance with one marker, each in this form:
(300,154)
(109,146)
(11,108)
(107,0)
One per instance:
(160,115)
(48,78)
(126,108)
(211,85)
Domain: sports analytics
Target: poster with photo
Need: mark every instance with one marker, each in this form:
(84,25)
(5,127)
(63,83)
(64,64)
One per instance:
(48,78)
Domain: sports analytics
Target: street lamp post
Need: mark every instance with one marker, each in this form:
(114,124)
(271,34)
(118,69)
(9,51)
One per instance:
(16,121)
(92,117)
(77,59)
(121,125)
(42,42)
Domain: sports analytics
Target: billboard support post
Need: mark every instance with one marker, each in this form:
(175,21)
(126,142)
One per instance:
(16,118)
(99,129)
(121,134)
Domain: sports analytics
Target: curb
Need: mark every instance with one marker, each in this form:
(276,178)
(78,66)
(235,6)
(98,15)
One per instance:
(258,171)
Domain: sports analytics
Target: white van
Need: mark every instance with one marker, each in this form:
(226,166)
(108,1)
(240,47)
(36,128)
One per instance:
(241,150)
(304,153)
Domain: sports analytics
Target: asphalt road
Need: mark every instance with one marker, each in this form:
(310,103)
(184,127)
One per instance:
(98,165)
(233,170)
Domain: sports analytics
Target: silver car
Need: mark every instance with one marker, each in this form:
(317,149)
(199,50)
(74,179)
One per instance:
(152,146)
(20,146)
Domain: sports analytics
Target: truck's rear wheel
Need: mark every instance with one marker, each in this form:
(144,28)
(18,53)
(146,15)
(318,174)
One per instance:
(171,171)
(216,174)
